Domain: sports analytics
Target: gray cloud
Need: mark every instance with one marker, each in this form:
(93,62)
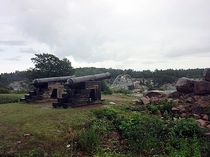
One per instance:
(12,42)
(16,58)
(144,33)
(181,52)
(30,50)
(1,49)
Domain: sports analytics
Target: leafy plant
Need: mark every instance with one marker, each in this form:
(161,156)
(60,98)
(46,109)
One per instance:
(187,127)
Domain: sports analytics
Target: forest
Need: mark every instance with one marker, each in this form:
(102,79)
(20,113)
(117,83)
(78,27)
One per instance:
(159,77)
(48,65)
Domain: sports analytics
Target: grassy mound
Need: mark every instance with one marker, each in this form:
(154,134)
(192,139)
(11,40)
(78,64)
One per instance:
(121,130)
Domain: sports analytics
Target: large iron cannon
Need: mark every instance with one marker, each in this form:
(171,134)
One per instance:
(81,91)
(46,89)
(43,82)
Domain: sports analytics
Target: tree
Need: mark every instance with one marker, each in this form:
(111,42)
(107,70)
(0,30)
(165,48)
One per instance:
(104,88)
(48,65)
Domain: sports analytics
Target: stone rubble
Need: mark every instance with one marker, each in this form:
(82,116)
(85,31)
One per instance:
(191,99)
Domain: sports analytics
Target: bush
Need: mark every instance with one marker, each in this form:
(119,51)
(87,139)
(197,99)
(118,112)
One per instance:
(105,89)
(9,98)
(187,147)
(187,127)
(165,106)
(153,109)
(4,91)
(143,132)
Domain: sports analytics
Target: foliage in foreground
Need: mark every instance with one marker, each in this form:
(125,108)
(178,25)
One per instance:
(124,130)
(148,135)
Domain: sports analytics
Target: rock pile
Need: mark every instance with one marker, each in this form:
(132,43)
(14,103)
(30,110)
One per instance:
(191,99)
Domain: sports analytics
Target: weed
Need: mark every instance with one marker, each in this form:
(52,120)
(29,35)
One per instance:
(37,152)
(88,141)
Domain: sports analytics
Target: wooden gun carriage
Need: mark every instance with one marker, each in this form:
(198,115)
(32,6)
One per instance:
(46,89)
(81,91)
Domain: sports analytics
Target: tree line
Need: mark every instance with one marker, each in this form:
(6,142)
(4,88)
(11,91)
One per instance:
(48,65)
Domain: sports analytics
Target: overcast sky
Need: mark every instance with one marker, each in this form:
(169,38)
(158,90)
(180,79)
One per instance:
(118,34)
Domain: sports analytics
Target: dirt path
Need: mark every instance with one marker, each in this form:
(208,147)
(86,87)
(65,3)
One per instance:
(115,98)
(118,98)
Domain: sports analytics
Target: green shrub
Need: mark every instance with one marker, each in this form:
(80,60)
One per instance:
(187,127)
(9,98)
(4,91)
(105,89)
(153,109)
(165,106)
(188,147)
(143,132)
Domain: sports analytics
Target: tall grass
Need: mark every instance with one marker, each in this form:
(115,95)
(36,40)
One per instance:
(26,127)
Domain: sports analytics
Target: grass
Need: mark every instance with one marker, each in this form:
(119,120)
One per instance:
(113,130)
(46,128)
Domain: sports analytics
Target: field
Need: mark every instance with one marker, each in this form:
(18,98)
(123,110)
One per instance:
(122,129)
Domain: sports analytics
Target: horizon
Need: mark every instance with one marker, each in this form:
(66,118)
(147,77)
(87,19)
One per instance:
(113,69)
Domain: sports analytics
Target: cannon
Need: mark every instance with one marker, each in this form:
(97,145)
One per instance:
(81,91)
(46,89)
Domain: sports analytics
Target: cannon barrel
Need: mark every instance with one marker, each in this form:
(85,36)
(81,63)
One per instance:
(98,77)
(42,81)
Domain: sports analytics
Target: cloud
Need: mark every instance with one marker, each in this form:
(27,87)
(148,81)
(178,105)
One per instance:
(16,58)
(30,50)
(12,43)
(121,34)
(188,52)
(1,49)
